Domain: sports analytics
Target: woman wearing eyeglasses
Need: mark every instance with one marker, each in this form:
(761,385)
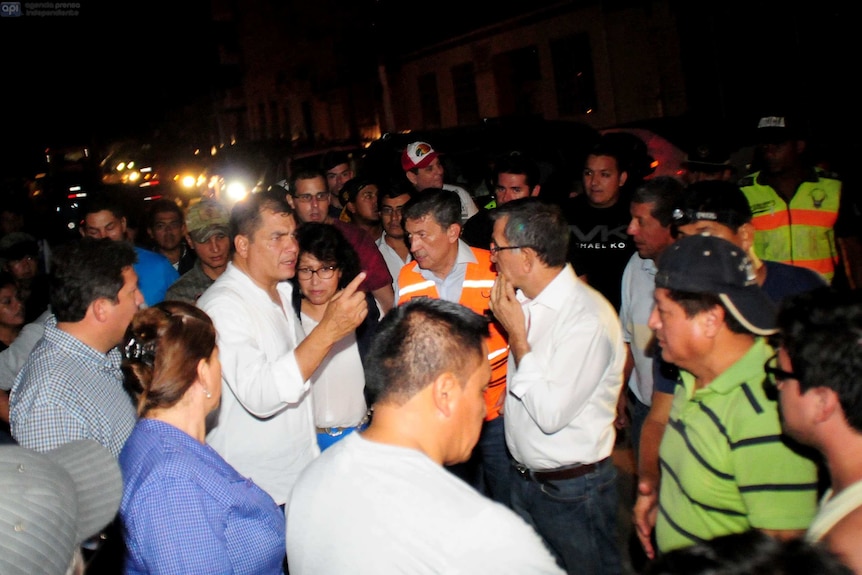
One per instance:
(184,508)
(327,263)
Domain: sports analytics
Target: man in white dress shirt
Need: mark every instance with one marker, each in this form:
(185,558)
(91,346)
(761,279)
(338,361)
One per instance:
(265,424)
(565,373)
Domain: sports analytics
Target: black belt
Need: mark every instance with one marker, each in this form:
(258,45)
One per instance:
(559,474)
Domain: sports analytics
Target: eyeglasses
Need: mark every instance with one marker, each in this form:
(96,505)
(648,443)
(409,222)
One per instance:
(389,210)
(324,273)
(775,373)
(495,248)
(308,198)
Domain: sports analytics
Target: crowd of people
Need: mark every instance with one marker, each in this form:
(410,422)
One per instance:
(343,374)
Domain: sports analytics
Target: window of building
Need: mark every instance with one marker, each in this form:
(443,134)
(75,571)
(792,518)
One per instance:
(466,100)
(572,62)
(517,76)
(429,99)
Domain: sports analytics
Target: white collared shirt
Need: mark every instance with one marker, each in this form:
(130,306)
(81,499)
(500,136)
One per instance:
(562,398)
(265,425)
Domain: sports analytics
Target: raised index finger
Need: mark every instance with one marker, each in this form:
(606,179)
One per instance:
(351,288)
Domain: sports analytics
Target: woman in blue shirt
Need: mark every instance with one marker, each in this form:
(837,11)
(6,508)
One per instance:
(184,508)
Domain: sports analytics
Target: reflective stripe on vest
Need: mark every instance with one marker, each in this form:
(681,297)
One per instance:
(475,294)
(800,233)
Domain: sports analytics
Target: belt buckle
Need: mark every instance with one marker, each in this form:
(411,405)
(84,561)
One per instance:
(334,431)
(523,470)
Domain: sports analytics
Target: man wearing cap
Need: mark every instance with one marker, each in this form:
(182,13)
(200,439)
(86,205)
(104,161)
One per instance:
(715,208)
(51,502)
(801,216)
(359,197)
(208,225)
(726,468)
(708,161)
(421,164)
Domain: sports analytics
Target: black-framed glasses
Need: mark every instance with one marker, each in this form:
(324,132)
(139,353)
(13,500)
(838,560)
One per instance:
(494,249)
(775,373)
(307,198)
(323,273)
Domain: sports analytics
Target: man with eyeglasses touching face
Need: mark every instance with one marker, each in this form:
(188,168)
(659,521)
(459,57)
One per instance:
(726,468)
(310,198)
(564,375)
(818,373)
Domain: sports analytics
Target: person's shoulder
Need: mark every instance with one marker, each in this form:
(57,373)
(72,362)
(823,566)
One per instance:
(150,258)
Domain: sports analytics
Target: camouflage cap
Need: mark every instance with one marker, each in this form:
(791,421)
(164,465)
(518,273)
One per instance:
(206,218)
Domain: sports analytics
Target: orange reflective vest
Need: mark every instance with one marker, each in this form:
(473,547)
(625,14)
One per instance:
(475,294)
(801,232)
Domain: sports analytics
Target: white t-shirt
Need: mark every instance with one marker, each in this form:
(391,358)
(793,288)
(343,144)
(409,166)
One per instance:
(367,508)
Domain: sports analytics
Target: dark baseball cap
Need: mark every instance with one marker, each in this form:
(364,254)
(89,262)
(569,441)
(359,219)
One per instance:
(713,200)
(712,265)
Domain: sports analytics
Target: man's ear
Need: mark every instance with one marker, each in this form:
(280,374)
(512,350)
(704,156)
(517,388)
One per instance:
(828,403)
(412,177)
(535,192)
(711,320)
(290,199)
(240,243)
(351,207)
(623,177)
(453,232)
(444,393)
(99,308)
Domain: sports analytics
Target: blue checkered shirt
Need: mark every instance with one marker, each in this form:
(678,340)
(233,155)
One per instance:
(186,510)
(66,391)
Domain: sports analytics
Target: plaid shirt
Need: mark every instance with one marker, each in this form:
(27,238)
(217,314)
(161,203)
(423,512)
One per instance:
(66,391)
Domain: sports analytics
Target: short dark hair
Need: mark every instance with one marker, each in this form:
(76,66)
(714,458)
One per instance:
(161,206)
(821,330)
(334,158)
(85,270)
(517,163)
(749,552)
(246,215)
(394,187)
(304,174)
(538,225)
(419,340)
(443,205)
(102,201)
(664,192)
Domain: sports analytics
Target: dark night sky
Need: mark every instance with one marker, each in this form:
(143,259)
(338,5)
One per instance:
(99,74)
(104,73)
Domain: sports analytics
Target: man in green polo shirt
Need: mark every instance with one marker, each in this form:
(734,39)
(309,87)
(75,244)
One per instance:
(726,468)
